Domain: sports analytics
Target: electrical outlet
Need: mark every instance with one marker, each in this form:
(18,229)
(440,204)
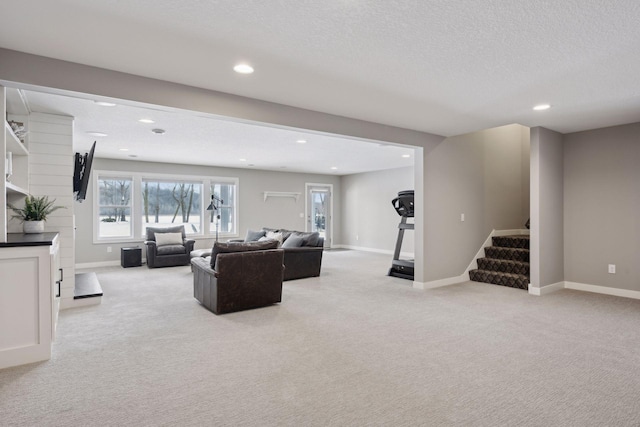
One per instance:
(612,269)
(461,217)
(108,249)
(357,237)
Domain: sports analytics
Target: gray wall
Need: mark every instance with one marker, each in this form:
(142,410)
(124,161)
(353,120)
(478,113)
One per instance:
(255,212)
(547,210)
(478,174)
(368,218)
(602,206)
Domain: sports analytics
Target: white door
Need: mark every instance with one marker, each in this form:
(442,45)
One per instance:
(319,210)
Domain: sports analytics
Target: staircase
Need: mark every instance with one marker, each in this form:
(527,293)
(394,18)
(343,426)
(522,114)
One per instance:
(506,263)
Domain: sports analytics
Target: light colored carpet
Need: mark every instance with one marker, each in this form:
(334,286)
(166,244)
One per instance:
(352,347)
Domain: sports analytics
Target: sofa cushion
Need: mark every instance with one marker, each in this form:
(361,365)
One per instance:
(171,249)
(219,248)
(164,239)
(254,236)
(293,241)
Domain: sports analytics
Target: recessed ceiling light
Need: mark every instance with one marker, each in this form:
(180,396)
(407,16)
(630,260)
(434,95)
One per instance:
(124,149)
(406,156)
(158,131)
(94,133)
(542,107)
(243,69)
(105,104)
(334,167)
(243,160)
(146,121)
(301,141)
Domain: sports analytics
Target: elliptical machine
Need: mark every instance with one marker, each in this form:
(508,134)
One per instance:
(403,204)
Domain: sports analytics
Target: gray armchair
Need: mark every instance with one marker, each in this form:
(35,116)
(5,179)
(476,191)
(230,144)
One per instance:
(168,246)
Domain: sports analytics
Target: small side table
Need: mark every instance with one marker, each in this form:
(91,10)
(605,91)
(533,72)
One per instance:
(131,257)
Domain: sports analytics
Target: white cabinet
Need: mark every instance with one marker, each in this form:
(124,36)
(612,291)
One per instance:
(30,278)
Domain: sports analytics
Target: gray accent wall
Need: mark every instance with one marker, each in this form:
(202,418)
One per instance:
(254,212)
(602,206)
(369,221)
(478,175)
(547,208)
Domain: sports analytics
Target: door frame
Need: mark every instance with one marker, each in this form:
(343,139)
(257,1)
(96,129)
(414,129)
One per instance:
(308,186)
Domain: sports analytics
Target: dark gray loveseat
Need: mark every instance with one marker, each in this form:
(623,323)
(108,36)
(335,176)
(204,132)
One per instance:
(302,251)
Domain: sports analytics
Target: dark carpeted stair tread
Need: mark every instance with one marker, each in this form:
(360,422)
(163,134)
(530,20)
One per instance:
(518,281)
(517,241)
(514,254)
(503,266)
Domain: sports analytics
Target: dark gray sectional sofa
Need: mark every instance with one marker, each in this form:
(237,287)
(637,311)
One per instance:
(302,251)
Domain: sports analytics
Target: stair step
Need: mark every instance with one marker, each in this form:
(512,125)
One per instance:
(518,281)
(513,254)
(516,241)
(503,266)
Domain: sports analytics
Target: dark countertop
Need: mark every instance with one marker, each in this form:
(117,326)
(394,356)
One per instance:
(15,240)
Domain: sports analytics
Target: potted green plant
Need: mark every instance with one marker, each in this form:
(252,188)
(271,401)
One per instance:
(34,213)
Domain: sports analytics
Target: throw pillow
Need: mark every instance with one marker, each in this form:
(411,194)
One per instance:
(220,248)
(274,236)
(164,239)
(293,242)
(254,236)
(309,238)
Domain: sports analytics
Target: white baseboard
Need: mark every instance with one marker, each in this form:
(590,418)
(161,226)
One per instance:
(97,264)
(378,251)
(441,282)
(546,289)
(626,293)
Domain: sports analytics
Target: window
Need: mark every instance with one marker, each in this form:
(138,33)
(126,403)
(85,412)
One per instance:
(172,202)
(114,207)
(225,195)
(127,205)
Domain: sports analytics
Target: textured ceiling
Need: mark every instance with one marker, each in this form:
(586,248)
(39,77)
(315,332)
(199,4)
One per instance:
(440,66)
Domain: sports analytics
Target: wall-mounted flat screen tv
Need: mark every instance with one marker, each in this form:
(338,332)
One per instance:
(81,173)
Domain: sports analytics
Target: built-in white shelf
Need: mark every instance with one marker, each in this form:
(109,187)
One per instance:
(14,189)
(293,195)
(13,143)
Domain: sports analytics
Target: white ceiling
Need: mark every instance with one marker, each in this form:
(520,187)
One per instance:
(198,139)
(440,66)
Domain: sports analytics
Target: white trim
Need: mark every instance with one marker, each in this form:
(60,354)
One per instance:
(137,179)
(544,290)
(291,194)
(441,282)
(97,264)
(378,251)
(307,188)
(625,293)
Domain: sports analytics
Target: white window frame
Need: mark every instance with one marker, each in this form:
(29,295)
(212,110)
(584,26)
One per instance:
(173,179)
(136,202)
(96,206)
